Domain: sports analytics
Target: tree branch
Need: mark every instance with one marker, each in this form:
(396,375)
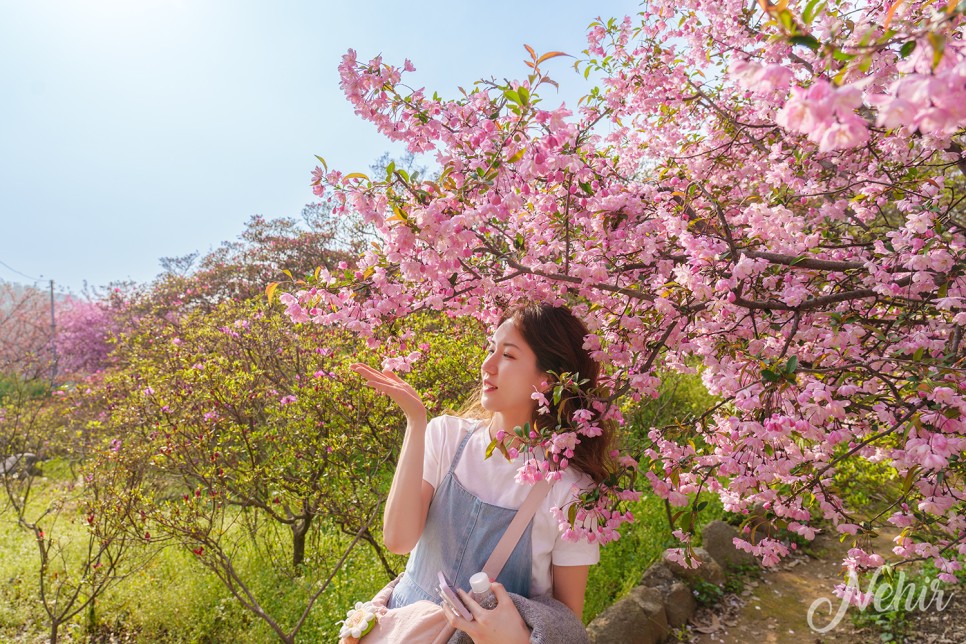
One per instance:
(807,305)
(804,262)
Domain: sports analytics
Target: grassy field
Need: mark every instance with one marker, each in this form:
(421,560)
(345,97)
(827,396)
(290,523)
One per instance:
(173,598)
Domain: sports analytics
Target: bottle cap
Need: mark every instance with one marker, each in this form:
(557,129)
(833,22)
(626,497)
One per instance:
(480,582)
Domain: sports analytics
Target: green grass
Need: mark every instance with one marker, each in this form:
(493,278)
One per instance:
(176,590)
(173,598)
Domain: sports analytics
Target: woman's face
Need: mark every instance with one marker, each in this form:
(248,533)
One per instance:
(510,375)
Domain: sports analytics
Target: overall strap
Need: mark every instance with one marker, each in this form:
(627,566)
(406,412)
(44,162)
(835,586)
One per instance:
(459,451)
(504,548)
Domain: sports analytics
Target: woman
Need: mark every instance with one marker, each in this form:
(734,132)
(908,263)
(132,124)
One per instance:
(451,504)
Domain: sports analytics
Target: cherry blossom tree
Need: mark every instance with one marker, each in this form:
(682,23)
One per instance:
(237,431)
(772,190)
(25,332)
(84,330)
(267,249)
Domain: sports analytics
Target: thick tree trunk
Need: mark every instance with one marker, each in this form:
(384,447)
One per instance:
(299,531)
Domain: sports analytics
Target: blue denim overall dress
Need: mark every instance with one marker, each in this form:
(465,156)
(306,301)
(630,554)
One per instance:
(460,533)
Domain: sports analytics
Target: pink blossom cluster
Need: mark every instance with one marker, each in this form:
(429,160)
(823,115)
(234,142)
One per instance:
(792,224)
(926,97)
(826,115)
(84,331)
(769,550)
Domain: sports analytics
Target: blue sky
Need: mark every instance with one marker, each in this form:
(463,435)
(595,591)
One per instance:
(136,129)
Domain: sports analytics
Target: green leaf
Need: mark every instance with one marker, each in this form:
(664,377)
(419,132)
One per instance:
(496,445)
(524,94)
(910,478)
(769,376)
(792,365)
(841,56)
(513,96)
(938,42)
(572,513)
(805,40)
(687,519)
(786,20)
(812,9)
(490,448)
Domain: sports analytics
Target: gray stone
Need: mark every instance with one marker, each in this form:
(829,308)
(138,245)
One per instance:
(638,618)
(679,603)
(678,599)
(707,571)
(717,539)
(658,576)
(18,465)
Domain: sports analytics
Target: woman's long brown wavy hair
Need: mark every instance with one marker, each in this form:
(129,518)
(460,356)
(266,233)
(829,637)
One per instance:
(556,336)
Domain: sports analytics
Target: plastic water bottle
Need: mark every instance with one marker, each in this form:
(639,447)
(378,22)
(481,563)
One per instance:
(481,592)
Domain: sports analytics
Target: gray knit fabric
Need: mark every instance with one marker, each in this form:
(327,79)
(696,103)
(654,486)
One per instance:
(551,621)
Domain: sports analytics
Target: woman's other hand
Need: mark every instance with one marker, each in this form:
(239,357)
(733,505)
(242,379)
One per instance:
(502,625)
(396,388)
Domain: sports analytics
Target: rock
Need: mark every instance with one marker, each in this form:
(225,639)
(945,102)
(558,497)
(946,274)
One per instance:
(19,465)
(717,539)
(658,576)
(708,571)
(678,600)
(638,618)
(679,603)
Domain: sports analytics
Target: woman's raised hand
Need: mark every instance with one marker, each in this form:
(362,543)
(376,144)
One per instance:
(396,388)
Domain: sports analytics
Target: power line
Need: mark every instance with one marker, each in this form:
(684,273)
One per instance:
(8,266)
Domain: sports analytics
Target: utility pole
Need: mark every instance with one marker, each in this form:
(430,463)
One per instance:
(53,338)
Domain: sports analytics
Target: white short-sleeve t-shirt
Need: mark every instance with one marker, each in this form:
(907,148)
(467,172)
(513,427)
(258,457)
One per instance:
(492,481)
